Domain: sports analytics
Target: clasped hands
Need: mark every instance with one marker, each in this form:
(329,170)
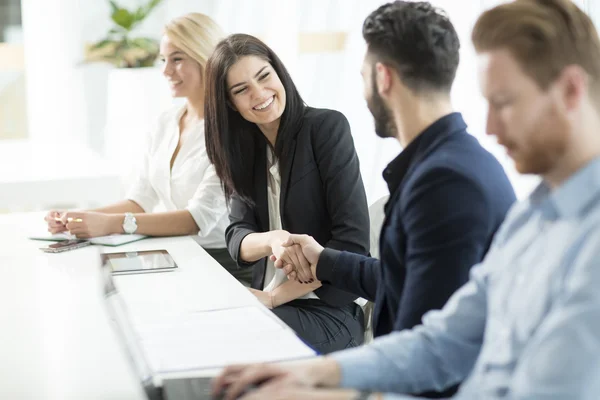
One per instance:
(298,257)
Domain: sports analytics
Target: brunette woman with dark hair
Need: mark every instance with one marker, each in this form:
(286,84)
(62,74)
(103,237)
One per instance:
(285,168)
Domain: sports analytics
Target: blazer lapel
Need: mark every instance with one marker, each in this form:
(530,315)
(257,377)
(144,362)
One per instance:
(424,148)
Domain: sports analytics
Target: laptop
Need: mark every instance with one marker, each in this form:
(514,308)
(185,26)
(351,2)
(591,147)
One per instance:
(172,389)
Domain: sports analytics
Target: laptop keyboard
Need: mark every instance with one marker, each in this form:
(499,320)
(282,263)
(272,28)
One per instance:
(188,389)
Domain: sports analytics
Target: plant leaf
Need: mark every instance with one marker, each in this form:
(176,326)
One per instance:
(114,7)
(139,15)
(117,31)
(143,11)
(123,18)
(102,44)
(122,46)
(152,4)
(146,44)
(148,62)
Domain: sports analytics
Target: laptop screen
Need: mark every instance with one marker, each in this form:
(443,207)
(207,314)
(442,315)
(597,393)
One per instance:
(125,332)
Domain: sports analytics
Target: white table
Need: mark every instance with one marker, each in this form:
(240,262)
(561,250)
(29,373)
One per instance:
(199,284)
(56,342)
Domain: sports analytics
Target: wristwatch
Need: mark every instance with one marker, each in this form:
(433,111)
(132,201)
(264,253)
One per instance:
(129,223)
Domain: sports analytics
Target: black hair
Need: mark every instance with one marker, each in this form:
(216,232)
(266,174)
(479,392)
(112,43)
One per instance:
(230,139)
(418,41)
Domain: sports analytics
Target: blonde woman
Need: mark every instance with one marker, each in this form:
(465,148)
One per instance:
(176,172)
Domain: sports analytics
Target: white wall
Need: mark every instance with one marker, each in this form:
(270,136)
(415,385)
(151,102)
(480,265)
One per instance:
(67,100)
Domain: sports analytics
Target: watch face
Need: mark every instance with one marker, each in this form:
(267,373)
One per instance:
(129,226)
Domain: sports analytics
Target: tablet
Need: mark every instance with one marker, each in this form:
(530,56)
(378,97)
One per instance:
(139,262)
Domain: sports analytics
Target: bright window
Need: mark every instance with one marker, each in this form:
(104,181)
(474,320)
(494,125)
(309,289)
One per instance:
(13,115)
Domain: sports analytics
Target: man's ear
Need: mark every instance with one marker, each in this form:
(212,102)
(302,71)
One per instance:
(574,86)
(383,78)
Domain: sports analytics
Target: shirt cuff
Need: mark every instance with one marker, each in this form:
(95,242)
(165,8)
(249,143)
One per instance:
(326,264)
(357,367)
(393,396)
(145,202)
(240,236)
(210,218)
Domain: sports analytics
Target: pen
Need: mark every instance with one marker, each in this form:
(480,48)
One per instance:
(69,219)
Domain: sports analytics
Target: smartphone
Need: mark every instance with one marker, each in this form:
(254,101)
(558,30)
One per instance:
(65,246)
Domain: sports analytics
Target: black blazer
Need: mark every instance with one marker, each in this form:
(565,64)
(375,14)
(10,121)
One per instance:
(322,195)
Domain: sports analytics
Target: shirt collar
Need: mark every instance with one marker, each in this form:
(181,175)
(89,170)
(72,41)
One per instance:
(396,170)
(180,112)
(572,197)
(272,164)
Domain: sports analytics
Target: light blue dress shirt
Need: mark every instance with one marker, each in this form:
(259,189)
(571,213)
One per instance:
(525,326)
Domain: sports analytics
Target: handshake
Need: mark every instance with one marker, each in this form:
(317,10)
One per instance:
(297,256)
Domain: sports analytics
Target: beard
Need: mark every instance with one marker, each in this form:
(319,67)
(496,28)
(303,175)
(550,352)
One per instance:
(385,126)
(548,142)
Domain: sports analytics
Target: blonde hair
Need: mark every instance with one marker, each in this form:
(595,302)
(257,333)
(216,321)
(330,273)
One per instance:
(196,35)
(544,36)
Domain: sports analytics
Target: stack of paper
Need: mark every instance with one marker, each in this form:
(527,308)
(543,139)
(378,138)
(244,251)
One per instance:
(218,338)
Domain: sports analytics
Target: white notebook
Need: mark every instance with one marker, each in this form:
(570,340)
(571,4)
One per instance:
(217,338)
(110,240)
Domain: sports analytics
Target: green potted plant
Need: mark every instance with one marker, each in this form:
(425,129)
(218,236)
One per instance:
(135,90)
(119,47)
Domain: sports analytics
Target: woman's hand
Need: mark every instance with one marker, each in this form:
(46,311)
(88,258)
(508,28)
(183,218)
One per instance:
(55,225)
(89,224)
(290,255)
(306,249)
(265,297)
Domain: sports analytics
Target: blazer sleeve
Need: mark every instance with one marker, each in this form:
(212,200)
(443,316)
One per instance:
(345,195)
(242,223)
(447,220)
(351,272)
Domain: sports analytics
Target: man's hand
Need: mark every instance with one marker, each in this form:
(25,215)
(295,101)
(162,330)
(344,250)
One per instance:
(294,259)
(311,250)
(238,379)
(291,255)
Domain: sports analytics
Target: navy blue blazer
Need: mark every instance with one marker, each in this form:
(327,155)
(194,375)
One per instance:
(448,196)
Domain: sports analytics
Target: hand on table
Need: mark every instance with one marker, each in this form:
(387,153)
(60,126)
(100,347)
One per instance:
(54,222)
(235,380)
(282,391)
(88,224)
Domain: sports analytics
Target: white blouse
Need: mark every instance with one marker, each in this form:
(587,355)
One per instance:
(275,277)
(192,184)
